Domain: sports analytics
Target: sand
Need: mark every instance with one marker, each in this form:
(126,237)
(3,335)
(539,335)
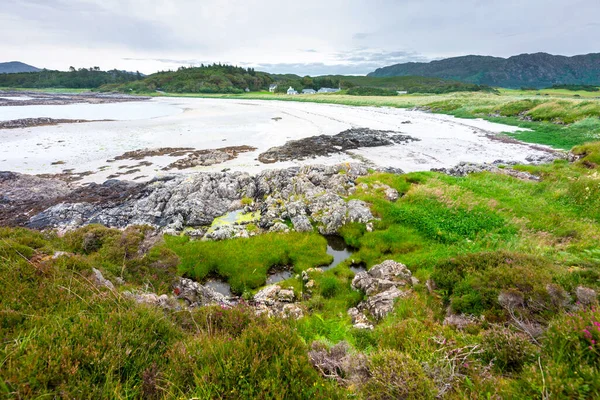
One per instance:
(215,123)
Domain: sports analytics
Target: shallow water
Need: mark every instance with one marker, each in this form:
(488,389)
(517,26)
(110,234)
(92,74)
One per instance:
(358,268)
(219,286)
(279,276)
(337,247)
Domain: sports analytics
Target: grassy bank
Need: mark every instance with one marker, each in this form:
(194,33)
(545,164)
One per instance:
(517,257)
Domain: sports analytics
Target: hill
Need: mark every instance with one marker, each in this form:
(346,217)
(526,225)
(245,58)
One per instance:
(411,84)
(16,67)
(214,78)
(526,70)
(82,78)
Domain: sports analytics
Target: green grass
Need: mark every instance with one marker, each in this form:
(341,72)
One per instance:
(475,238)
(245,263)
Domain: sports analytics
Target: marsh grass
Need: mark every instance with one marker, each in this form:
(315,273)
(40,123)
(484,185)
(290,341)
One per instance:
(245,263)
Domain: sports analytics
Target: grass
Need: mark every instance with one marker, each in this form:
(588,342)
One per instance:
(478,238)
(245,263)
(500,249)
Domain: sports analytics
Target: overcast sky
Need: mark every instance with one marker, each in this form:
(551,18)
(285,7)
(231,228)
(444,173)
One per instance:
(304,37)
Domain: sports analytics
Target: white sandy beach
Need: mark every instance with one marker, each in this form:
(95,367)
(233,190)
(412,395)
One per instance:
(215,123)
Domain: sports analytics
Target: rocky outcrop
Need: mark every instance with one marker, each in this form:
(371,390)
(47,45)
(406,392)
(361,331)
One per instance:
(42,121)
(325,145)
(383,284)
(497,167)
(31,98)
(196,295)
(306,196)
(273,300)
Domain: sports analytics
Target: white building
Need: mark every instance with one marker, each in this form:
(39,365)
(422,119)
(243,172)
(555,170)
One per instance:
(328,90)
(308,91)
(272,87)
(402,91)
(291,90)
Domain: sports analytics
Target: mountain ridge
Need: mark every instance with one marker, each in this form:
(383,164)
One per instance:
(531,70)
(13,67)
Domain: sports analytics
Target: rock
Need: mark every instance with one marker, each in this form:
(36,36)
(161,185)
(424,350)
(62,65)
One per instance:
(267,295)
(466,168)
(359,211)
(325,145)
(286,295)
(382,303)
(546,158)
(292,311)
(585,296)
(381,284)
(100,281)
(391,194)
(390,269)
(382,277)
(163,301)
(221,233)
(275,301)
(302,223)
(359,320)
(460,321)
(197,295)
(279,227)
(172,203)
(58,254)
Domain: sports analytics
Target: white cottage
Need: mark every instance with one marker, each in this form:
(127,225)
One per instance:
(328,90)
(272,87)
(291,90)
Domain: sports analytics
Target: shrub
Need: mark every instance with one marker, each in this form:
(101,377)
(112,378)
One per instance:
(394,375)
(507,350)
(371,91)
(472,283)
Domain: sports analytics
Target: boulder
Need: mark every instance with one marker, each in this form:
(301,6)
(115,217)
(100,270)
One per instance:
(100,280)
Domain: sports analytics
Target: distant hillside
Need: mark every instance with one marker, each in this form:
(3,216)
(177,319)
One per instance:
(14,67)
(214,78)
(411,84)
(82,78)
(537,70)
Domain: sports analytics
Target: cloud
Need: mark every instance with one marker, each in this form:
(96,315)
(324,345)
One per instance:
(355,36)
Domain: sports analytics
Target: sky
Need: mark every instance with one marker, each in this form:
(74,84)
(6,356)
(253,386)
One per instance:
(308,37)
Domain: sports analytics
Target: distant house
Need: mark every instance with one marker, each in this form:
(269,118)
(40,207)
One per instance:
(291,90)
(402,91)
(308,91)
(247,90)
(328,90)
(272,87)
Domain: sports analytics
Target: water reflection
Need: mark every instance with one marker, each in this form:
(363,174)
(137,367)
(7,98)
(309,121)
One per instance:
(219,287)
(337,247)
